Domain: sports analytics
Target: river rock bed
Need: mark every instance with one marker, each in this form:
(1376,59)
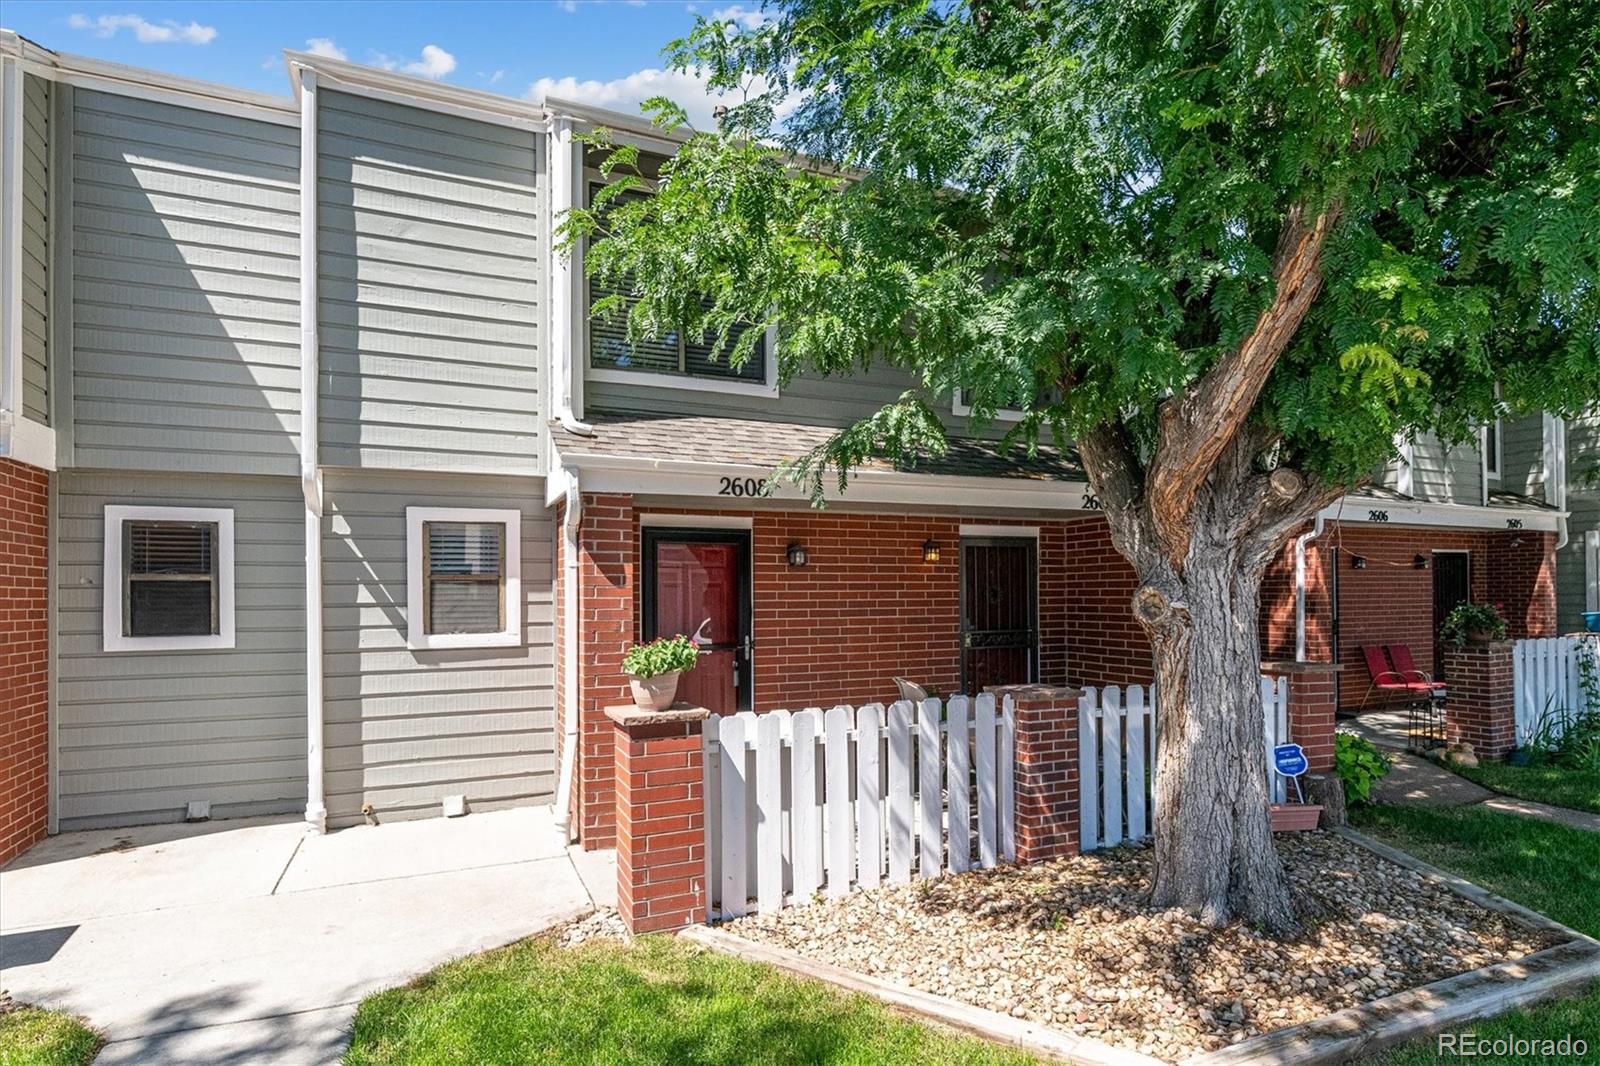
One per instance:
(1071,945)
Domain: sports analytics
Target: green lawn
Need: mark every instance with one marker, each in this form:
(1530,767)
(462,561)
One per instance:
(661,1000)
(1560,785)
(1551,868)
(33,1037)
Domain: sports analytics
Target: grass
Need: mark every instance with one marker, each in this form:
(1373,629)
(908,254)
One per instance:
(1551,868)
(1562,786)
(659,1000)
(33,1037)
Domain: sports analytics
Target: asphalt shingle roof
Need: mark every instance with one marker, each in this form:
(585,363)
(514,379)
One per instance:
(752,442)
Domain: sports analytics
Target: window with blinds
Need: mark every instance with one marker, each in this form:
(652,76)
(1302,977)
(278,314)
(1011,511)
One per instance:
(671,353)
(169,576)
(464,589)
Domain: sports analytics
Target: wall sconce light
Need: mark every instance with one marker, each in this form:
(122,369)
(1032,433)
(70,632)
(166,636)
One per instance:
(1420,562)
(930,551)
(796,554)
(1516,542)
(1358,563)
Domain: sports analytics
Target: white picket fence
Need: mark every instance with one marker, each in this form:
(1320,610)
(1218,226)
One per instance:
(812,801)
(1547,680)
(1117,759)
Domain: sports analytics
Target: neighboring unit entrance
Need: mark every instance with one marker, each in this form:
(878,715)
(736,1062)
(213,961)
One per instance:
(999,612)
(1452,586)
(697,582)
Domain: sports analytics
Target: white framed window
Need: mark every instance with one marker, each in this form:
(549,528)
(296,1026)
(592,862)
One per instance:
(1492,449)
(961,409)
(463,577)
(168,578)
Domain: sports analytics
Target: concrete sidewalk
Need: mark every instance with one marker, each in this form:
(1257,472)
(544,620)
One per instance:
(252,942)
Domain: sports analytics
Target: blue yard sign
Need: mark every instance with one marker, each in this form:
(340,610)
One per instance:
(1290,760)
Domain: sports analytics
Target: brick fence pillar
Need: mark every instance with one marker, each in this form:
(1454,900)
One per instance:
(1481,706)
(1046,770)
(661,817)
(1313,706)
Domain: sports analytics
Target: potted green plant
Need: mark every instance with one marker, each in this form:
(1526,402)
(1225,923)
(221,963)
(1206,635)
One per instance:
(1477,622)
(653,670)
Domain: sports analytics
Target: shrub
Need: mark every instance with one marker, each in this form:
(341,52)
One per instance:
(1472,618)
(661,656)
(1358,764)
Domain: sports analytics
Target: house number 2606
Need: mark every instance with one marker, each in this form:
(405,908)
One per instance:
(739,486)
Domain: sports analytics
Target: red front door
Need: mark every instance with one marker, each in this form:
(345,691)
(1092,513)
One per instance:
(696,585)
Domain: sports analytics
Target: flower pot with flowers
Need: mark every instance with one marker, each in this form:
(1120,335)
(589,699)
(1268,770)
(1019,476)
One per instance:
(653,670)
(1477,622)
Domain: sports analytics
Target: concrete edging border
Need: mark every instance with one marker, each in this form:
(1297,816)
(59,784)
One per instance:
(1337,1037)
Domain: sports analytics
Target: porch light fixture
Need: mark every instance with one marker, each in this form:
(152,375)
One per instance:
(796,554)
(1358,562)
(930,551)
(1420,561)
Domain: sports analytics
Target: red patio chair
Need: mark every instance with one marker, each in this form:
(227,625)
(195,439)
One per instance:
(1406,667)
(1389,683)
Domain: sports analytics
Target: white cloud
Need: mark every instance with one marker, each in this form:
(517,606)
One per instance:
(688,89)
(748,18)
(495,78)
(569,6)
(167,32)
(324,46)
(435,62)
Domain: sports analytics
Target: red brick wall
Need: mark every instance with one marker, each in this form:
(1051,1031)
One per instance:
(1105,645)
(1521,577)
(24,656)
(661,823)
(606,615)
(1481,710)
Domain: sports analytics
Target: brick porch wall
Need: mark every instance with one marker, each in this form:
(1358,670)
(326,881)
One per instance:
(24,656)
(1105,645)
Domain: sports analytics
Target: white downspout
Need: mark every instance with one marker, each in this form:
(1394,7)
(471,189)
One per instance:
(1555,457)
(310,474)
(10,250)
(569,651)
(564,295)
(1300,543)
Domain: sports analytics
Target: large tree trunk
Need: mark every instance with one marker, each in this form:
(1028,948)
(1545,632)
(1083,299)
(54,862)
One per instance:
(1213,842)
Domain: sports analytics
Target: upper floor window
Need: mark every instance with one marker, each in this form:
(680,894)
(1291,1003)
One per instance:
(674,358)
(463,583)
(1491,448)
(168,578)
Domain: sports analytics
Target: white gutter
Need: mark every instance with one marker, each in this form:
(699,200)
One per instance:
(1300,543)
(569,652)
(310,474)
(563,196)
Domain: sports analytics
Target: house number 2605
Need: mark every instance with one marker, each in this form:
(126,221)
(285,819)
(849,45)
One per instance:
(739,486)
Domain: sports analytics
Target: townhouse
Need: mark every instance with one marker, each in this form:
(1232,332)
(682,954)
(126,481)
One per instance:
(323,495)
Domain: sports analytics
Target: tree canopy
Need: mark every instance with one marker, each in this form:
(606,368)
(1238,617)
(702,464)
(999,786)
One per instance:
(1082,209)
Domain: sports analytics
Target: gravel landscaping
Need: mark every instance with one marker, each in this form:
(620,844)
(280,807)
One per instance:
(1070,944)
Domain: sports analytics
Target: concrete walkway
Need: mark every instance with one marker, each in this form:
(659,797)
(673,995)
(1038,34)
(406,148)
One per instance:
(1414,779)
(252,941)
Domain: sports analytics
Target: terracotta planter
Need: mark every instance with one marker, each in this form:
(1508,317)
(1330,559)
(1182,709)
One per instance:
(1481,636)
(654,693)
(1295,817)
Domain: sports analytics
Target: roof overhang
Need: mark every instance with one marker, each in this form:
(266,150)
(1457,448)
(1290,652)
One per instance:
(1378,511)
(734,483)
(414,91)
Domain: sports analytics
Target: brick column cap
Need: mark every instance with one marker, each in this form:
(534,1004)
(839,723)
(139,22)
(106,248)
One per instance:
(1034,692)
(627,716)
(1294,666)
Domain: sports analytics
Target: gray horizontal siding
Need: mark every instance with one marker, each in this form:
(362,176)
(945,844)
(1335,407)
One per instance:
(185,289)
(143,733)
(431,280)
(36,248)
(1446,474)
(1583,501)
(405,728)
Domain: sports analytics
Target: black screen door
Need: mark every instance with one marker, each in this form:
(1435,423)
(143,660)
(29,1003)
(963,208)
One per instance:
(999,612)
(1452,586)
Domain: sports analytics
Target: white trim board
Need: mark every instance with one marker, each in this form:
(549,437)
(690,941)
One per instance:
(976,529)
(1367,510)
(416,636)
(696,521)
(112,578)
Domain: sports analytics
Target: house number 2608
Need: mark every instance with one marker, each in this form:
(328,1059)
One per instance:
(739,486)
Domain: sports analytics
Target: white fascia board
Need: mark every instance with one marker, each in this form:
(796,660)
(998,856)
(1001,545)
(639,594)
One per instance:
(704,481)
(414,91)
(29,442)
(1365,510)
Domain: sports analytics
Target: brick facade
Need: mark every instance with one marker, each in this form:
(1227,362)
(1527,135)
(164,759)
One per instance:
(661,818)
(24,656)
(1481,710)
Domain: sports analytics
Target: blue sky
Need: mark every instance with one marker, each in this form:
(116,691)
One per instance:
(602,51)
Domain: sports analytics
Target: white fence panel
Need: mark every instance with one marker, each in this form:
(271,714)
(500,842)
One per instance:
(1117,758)
(1547,678)
(831,802)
